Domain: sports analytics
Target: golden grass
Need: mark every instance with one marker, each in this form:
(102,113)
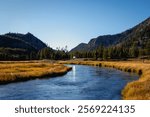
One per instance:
(139,89)
(26,70)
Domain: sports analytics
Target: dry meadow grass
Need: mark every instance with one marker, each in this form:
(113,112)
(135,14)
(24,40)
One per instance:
(26,70)
(139,89)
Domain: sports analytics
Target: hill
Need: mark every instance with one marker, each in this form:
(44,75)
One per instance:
(138,35)
(19,46)
(26,41)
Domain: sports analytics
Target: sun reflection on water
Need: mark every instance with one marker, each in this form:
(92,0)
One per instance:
(74,72)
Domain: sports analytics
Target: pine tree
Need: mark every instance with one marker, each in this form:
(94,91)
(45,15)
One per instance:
(134,51)
(148,48)
(105,53)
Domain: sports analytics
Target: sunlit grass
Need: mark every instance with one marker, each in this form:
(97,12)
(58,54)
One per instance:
(139,89)
(25,70)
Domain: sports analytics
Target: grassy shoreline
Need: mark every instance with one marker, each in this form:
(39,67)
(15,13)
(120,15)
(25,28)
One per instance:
(15,71)
(136,90)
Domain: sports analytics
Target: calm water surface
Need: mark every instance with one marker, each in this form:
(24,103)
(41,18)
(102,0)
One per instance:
(83,82)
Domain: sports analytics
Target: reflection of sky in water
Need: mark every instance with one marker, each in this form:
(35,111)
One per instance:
(74,72)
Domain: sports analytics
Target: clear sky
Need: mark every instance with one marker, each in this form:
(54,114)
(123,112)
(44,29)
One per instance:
(70,22)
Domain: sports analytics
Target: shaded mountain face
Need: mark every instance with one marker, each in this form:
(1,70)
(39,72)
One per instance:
(17,46)
(26,41)
(138,35)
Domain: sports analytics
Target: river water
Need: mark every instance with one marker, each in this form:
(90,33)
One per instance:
(82,83)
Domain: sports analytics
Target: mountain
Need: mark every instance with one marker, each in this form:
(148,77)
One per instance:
(138,35)
(16,45)
(28,40)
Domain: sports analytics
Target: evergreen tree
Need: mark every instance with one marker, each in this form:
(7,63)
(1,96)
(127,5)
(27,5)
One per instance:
(134,51)
(148,48)
(105,53)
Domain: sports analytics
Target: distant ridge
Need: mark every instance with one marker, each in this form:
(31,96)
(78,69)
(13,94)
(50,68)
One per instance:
(16,46)
(140,34)
(26,41)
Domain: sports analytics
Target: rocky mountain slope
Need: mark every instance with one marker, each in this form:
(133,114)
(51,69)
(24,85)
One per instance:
(138,35)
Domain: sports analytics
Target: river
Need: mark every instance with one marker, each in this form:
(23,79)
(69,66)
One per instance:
(82,83)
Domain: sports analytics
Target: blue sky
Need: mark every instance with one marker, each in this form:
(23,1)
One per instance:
(70,22)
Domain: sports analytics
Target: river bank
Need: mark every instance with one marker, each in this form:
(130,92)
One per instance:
(139,89)
(16,71)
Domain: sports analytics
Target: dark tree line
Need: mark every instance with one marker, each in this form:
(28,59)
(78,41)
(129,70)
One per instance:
(49,53)
(101,52)
(45,53)
(115,52)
